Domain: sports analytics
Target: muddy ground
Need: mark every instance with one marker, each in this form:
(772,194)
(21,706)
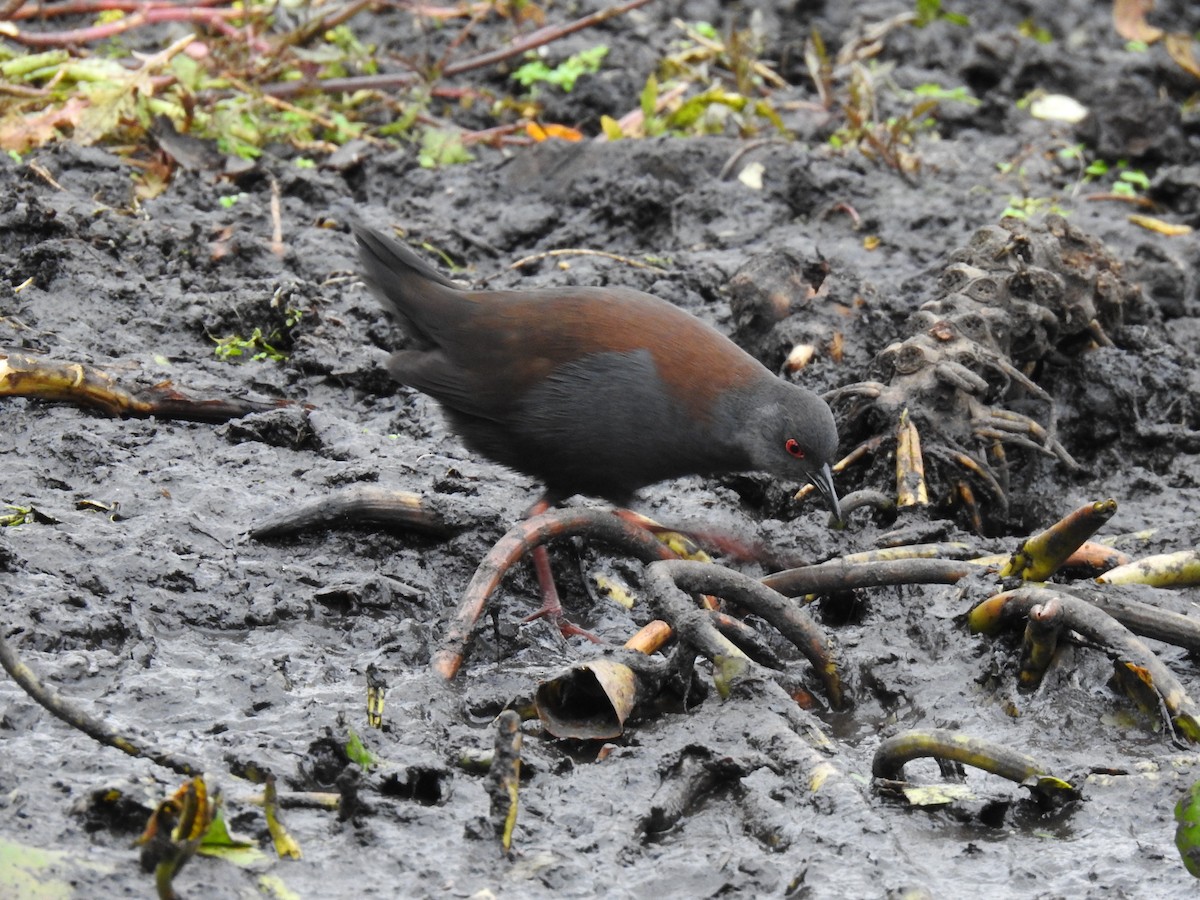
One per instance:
(138,593)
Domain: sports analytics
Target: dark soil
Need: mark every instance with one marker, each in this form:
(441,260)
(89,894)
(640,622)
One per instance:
(138,594)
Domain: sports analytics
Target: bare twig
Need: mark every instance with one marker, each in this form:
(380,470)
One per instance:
(54,703)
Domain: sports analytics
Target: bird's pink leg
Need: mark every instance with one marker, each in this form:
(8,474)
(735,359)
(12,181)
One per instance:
(551,607)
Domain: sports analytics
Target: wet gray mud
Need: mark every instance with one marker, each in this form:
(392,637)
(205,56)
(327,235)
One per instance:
(137,592)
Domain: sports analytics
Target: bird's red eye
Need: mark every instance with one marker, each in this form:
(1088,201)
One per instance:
(793,447)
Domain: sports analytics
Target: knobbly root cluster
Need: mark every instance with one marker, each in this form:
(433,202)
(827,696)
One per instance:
(1017,296)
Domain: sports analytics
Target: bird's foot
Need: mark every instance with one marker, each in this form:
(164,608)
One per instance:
(566,627)
(551,607)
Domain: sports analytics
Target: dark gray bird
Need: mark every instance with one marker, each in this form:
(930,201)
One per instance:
(596,391)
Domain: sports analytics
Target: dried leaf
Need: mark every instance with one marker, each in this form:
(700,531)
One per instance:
(564,132)
(1181,47)
(544,132)
(23,133)
(1129,18)
(154,178)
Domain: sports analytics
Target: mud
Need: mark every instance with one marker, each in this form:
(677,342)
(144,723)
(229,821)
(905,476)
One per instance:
(138,594)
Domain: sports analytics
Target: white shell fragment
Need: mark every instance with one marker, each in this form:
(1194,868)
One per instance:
(1058,108)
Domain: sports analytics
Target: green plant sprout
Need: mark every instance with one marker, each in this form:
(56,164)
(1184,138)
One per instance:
(1127,182)
(257,346)
(930,11)
(565,74)
(889,141)
(729,82)
(937,92)
(708,112)
(1130,181)
(1031,207)
(236,346)
(1030,29)
(440,147)
(358,753)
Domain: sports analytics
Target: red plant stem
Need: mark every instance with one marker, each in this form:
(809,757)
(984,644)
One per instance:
(86,7)
(137,20)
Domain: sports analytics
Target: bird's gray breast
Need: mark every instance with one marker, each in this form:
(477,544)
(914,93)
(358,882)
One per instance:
(610,424)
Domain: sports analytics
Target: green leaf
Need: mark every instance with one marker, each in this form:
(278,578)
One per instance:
(1135,177)
(186,71)
(20,515)
(649,98)
(930,11)
(937,92)
(219,842)
(531,73)
(610,126)
(1187,832)
(442,148)
(1030,29)
(563,76)
(357,751)
(927,11)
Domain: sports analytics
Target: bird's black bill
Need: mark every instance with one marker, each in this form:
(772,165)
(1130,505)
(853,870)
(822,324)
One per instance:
(823,482)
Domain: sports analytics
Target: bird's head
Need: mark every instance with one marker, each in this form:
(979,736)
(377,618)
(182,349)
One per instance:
(794,436)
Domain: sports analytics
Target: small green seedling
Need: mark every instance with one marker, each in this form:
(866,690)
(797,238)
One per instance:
(930,11)
(565,74)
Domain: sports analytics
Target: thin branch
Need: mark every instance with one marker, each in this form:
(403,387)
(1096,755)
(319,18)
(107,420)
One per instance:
(54,703)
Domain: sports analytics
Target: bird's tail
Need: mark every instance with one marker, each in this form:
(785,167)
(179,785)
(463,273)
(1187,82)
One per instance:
(415,292)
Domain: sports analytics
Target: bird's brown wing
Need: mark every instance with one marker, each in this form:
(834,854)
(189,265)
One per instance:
(458,388)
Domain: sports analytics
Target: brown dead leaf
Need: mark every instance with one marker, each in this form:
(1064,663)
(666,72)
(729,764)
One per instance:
(837,346)
(24,133)
(1129,18)
(218,244)
(526,13)
(154,177)
(1182,49)
(1141,673)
